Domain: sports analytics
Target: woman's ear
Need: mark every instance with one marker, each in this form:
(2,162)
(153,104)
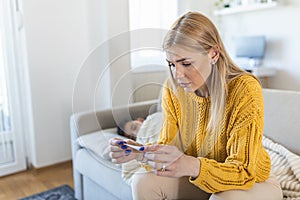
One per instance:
(214,54)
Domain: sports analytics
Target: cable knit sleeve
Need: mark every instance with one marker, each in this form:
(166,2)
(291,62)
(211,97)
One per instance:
(247,162)
(171,116)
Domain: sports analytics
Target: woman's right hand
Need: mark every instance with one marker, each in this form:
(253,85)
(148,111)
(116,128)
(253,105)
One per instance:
(121,153)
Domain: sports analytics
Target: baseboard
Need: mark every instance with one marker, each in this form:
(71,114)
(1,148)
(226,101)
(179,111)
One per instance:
(60,164)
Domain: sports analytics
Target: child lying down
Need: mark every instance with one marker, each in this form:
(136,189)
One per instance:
(143,132)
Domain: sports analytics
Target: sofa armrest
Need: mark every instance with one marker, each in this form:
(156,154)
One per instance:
(91,121)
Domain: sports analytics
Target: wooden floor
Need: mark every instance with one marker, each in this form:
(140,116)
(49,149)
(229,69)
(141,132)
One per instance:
(26,183)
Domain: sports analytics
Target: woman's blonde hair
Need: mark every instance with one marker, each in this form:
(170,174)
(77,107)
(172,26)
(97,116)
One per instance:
(196,31)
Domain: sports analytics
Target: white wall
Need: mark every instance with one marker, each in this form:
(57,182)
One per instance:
(108,34)
(57,45)
(119,45)
(280,27)
(70,48)
(203,6)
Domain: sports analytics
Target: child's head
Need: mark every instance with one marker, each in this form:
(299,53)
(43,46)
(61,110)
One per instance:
(130,128)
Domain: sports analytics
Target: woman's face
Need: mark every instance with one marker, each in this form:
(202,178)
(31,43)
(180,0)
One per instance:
(189,67)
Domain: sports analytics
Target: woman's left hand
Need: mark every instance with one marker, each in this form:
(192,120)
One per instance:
(167,160)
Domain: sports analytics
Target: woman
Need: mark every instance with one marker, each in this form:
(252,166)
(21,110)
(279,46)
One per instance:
(210,145)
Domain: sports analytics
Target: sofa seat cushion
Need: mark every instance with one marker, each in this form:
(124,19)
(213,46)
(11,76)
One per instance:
(98,142)
(102,172)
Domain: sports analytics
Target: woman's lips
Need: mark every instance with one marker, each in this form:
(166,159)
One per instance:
(184,85)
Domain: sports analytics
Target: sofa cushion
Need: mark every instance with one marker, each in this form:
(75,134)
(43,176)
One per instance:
(98,142)
(282,117)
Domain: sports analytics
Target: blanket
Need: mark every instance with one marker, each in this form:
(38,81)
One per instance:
(286,167)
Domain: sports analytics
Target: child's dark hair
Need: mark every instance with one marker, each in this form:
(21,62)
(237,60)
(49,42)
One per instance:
(121,126)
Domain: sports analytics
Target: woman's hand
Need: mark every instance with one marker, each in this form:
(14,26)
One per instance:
(168,161)
(121,153)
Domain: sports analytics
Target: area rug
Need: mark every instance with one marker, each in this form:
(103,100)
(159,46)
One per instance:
(63,192)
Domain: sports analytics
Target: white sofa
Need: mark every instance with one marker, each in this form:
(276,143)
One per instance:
(97,178)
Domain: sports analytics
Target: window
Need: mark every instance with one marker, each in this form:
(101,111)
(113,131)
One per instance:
(149,20)
(4,106)
(12,156)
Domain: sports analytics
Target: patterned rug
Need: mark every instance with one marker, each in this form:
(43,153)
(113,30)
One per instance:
(63,192)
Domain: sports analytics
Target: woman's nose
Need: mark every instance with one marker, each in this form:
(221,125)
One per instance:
(179,72)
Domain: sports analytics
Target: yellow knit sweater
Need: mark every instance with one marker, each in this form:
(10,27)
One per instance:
(235,159)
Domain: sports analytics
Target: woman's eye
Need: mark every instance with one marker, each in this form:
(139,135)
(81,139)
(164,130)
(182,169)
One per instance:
(186,64)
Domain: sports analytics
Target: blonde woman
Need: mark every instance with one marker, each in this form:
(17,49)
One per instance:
(210,145)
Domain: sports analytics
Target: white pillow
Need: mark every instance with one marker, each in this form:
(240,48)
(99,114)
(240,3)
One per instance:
(98,142)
